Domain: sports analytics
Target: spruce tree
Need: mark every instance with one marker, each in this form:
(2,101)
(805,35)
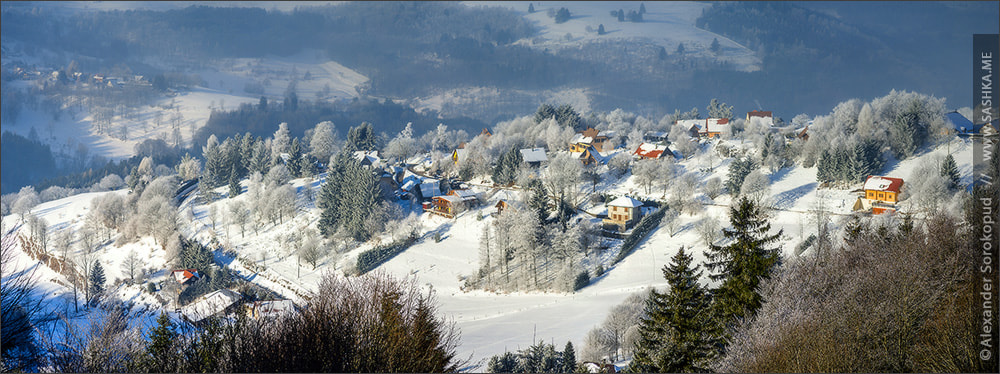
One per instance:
(161,353)
(568,358)
(738,171)
(96,279)
(295,159)
(742,265)
(642,8)
(715,47)
(600,29)
(234,184)
(621,15)
(677,334)
(531,8)
(949,170)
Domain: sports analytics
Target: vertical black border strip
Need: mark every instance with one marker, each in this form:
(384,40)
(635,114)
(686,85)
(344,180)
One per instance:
(985,58)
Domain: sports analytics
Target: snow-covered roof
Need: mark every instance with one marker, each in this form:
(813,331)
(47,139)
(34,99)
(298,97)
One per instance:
(961,123)
(758,113)
(460,153)
(717,125)
(371,157)
(650,150)
(625,201)
(463,194)
(534,155)
(687,123)
(210,304)
(579,138)
(878,183)
(450,198)
(184,275)
(429,187)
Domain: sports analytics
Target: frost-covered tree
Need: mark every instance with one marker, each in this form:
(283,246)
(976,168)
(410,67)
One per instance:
(239,215)
(282,141)
(949,170)
(619,164)
(189,168)
(261,157)
(756,186)
(680,140)
(719,110)
(561,179)
(646,172)
(403,146)
(324,142)
(311,250)
(26,200)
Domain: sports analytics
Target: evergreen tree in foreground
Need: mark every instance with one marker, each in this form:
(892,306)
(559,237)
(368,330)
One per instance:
(568,358)
(677,334)
(161,353)
(743,264)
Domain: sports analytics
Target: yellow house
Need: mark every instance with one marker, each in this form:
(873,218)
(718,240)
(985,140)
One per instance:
(623,212)
(882,193)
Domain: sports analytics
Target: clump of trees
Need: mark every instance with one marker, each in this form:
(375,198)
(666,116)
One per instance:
(537,358)
(373,323)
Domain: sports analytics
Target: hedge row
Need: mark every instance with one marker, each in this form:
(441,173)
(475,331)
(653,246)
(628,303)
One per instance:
(372,258)
(643,228)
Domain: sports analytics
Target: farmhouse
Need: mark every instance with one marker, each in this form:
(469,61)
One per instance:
(706,128)
(623,212)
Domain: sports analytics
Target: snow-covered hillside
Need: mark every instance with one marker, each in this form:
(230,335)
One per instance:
(665,23)
(490,323)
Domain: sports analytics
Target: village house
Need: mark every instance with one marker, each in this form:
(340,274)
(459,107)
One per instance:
(213,303)
(588,156)
(623,213)
(879,194)
(183,276)
(534,157)
(368,159)
(588,138)
(706,128)
(763,115)
(658,137)
(647,151)
(503,205)
(451,204)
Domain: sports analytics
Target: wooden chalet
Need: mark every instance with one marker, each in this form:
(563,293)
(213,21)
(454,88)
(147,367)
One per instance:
(880,194)
(451,204)
(503,205)
(587,156)
(590,137)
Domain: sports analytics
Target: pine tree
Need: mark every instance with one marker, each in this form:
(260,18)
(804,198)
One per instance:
(642,8)
(261,159)
(568,358)
(600,29)
(715,47)
(680,49)
(161,353)
(676,334)
(621,15)
(234,184)
(531,8)
(295,159)
(742,265)
(949,170)
(96,279)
